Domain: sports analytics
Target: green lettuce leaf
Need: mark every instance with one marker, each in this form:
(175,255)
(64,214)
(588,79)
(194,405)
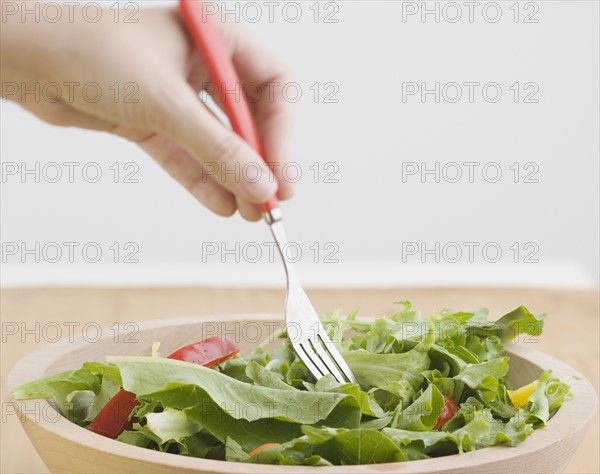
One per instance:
(399,374)
(423,413)
(148,376)
(424,441)
(171,425)
(251,415)
(265,378)
(78,394)
(509,326)
(326,446)
(547,398)
(484,376)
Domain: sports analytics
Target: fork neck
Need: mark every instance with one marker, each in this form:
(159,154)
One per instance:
(273,218)
(273,215)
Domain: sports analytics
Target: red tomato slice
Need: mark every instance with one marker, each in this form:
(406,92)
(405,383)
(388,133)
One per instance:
(209,352)
(113,419)
(448,412)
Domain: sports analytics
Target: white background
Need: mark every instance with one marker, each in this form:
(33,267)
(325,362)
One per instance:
(369,133)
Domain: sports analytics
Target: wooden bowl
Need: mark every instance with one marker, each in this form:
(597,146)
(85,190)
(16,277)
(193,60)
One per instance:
(66,447)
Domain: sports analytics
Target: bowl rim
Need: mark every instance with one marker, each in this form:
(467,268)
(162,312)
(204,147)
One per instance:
(574,415)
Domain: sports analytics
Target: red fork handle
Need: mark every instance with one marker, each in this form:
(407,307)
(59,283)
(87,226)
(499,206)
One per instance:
(222,71)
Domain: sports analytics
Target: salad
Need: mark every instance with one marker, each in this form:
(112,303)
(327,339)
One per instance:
(427,388)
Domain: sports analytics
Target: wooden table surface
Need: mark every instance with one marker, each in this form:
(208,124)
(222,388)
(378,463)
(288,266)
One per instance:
(32,317)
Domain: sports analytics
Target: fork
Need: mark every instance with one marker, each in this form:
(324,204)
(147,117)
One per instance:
(310,340)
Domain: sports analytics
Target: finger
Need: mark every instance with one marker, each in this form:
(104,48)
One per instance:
(274,127)
(190,174)
(256,65)
(226,157)
(248,210)
(274,130)
(198,80)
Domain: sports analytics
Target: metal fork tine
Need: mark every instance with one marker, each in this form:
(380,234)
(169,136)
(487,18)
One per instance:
(339,360)
(312,360)
(324,356)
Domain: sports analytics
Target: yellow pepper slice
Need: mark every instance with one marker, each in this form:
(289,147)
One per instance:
(520,396)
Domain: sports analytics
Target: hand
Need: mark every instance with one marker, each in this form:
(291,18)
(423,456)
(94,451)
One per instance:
(149,76)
